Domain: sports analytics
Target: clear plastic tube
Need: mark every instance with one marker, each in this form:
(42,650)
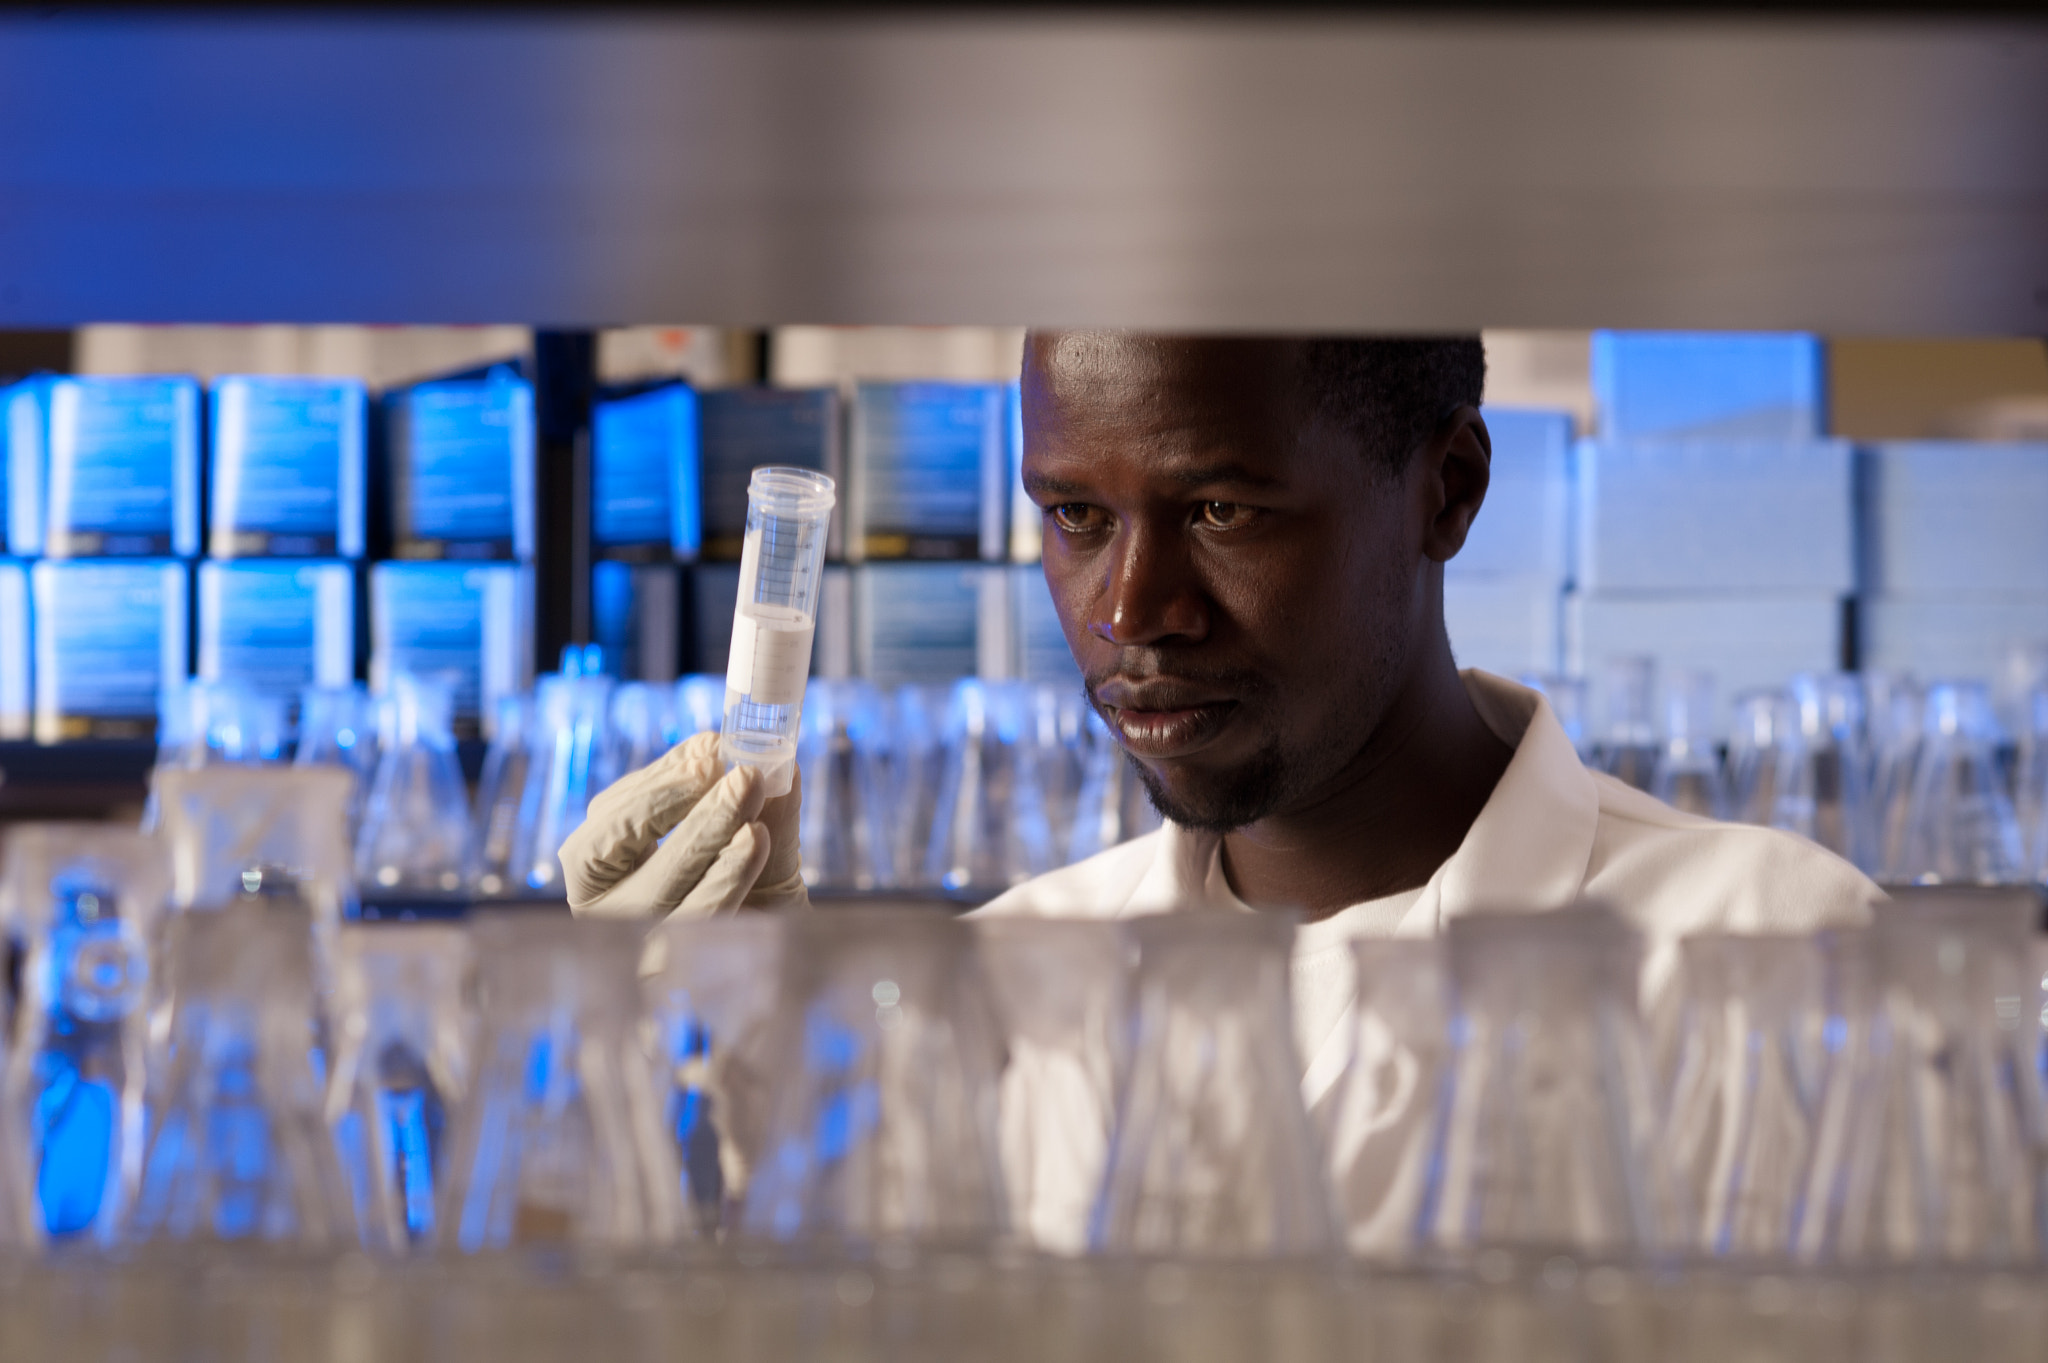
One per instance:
(781,568)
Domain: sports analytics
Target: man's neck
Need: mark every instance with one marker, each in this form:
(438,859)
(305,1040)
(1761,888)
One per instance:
(1395,815)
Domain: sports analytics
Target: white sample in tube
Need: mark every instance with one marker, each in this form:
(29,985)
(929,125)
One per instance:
(782,566)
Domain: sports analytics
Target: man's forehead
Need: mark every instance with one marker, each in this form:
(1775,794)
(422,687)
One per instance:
(1193,394)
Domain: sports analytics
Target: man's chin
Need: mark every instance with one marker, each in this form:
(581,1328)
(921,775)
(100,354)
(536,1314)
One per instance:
(1212,801)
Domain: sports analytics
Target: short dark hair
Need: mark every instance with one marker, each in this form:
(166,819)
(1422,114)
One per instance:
(1392,392)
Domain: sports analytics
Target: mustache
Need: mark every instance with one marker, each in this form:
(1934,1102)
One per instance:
(1140,665)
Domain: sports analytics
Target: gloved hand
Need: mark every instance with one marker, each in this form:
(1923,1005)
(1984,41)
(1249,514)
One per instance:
(731,848)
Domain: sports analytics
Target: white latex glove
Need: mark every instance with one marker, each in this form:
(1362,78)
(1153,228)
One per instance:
(730,848)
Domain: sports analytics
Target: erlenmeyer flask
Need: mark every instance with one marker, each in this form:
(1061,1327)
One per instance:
(415,829)
(1959,827)
(700,704)
(1380,1127)
(1930,1143)
(239,834)
(1056,728)
(1761,719)
(917,768)
(711,989)
(1113,805)
(845,832)
(338,728)
(644,725)
(1212,1152)
(84,903)
(561,776)
(884,1118)
(1689,769)
(1628,747)
(1061,992)
(204,723)
(560,1141)
(1823,768)
(1567,697)
(239,1146)
(2030,785)
(1546,1135)
(402,1039)
(1896,705)
(499,792)
(990,830)
(1743,1103)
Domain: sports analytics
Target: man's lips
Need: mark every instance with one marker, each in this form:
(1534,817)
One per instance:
(1164,719)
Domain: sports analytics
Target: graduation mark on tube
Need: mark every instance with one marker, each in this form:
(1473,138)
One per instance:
(782,565)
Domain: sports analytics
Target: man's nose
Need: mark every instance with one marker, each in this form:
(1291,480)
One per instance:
(1152,594)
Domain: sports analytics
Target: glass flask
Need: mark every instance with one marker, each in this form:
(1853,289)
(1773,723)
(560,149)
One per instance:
(1822,788)
(782,568)
(565,757)
(1057,725)
(711,990)
(2030,785)
(1212,1153)
(1896,705)
(1113,805)
(500,791)
(415,827)
(84,903)
(1380,1128)
(1061,993)
(403,1024)
(700,704)
(989,831)
(644,725)
(271,834)
(1743,1091)
(1958,827)
(845,834)
(1628,747)
(1689,769)
(1930,1141)
(1567,697)
(338,728)
(239,1147)
(1546,1134)
(1761,719)
(201,722)
(883,1118)
(917,769)
(561,1140)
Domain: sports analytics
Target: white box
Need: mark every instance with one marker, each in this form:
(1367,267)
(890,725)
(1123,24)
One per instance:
(1951,517)
(289,469)
(473,621)
(277,627)
(16,651)
(930,472)
(1523,529)
(110,635)
(1950,637)
(1042,650)
(122,467)
(917,622)
(1504,627)
(1716,516)
(1746,641)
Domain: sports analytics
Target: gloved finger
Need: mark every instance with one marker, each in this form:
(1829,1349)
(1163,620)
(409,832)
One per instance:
(627,818)
(783,818)
(726,882)
(673,869)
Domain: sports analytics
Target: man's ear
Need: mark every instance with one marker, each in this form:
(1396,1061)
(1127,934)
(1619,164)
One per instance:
(1455,467)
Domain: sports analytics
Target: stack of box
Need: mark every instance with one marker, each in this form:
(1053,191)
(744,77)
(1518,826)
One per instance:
(1714,523)
(646,521)
(1504,589)
(1955,560)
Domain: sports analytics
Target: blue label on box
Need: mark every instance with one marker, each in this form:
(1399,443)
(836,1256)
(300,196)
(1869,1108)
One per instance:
(916,622)
(745,428)
(277,626)
(287,469)
(644,471)
(23,464)
(123,466)
(472,622)
(1709,385)
(109,637)
(463,466)
(925,451)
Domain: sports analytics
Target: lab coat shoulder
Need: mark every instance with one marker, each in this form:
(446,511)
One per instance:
(1675,873)
(1100,887)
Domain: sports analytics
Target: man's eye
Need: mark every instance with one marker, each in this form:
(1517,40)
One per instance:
(1074,517)
(1226,515)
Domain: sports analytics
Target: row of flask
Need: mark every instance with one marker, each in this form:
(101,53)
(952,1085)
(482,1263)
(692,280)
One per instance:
(1914,784)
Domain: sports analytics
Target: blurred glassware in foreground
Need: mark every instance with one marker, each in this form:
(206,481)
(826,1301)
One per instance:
(1546,1140)
(202,722)
(415,826)
(1934,1122)
(845,814)
(989,831)
(1761,721)
(561,1142)
(1689,769)
(886,1058)
(239,1147)
(1628,747)
(1212,1153)
(1823,770)
(273,834)
(565,762)
(83,902)
(403,1023)
(1380,1126)
(1959,827)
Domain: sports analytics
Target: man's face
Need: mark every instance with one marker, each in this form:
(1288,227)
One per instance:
(1242,587)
